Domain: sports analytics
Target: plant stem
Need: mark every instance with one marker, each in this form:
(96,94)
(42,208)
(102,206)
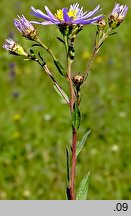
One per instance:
(90,63)
(56,84)
(46,69)
(66,44)
(73,165)
(46,48)
(74,134)
(69,78)
(96,50)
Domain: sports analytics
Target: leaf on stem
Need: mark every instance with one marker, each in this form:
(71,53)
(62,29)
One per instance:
(60,68)
(61,40)
(113,33)
(82,191)
(61,93)
(76,117)
(82,142)
(33,45)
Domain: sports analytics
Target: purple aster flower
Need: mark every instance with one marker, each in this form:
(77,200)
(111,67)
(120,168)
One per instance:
(72,16)
(119,11)
(25,27)
(14,48)
(118,14)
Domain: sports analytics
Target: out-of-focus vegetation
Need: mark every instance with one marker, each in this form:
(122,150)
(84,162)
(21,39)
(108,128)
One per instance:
(35,123)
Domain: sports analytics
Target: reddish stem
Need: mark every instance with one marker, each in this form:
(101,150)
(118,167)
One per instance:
(73,165)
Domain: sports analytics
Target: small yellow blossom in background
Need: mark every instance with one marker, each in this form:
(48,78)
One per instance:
(16,117)
(86,55)
(115,148)
(26,193)
(122,114)
(99,59)
(16,134)
(93,152)
(19,71)
(47,117)
(3,195)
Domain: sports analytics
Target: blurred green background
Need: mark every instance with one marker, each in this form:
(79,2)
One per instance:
(35,122)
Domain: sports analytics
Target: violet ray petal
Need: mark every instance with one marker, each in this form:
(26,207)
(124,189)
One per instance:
(17,24)
(125,9)
(80,12)
(49,13)
(84,20)
(89,21)
(39,14)
(65,15)
(74,6)
(91,13)
(116,8)
(44,23)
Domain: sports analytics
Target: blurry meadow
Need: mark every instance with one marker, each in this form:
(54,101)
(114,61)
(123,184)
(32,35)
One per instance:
(35,122)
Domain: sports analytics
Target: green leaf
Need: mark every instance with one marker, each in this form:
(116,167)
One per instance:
(82,191)
(113,33)
(61,93)
(76,117)
(61,40)
(60,68)
(82,142)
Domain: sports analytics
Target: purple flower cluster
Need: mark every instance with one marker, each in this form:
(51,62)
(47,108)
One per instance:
(25,27)
(117,16)
(119,11)
(72,16)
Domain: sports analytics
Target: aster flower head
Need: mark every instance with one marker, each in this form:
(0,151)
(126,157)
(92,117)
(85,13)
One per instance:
(118,14)
(67,17)
(26,28)
(14,48)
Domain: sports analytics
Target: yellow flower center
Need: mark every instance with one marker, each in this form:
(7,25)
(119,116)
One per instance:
(71,13)
(59,15)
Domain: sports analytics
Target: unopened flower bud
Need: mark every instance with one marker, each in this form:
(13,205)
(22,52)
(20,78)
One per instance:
(78,80)
(14,48)
(101,24)
(117,16)
(26,28)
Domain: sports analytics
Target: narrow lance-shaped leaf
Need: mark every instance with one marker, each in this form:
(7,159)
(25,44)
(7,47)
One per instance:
(61,93)
(60,68)
(82,191)
(82,142)
(76,117)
